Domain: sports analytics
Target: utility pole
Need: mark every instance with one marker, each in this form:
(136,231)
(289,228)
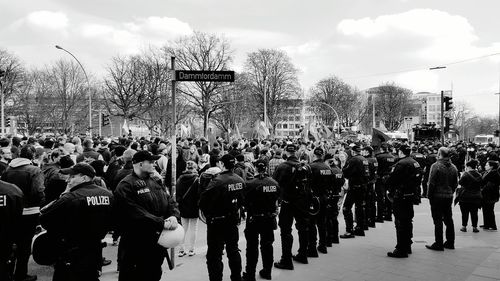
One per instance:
(442,117)
(100,123)
(174,146)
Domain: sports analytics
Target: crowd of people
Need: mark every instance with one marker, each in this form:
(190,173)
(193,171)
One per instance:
(80,190)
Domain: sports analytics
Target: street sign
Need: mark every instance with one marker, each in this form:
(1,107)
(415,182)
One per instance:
(202,75)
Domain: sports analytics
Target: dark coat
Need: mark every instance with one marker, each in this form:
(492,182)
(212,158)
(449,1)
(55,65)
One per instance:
(187,195)
(443,179)
(491,182)
(471,183)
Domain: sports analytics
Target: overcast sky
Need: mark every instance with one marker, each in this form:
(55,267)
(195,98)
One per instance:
(354,39)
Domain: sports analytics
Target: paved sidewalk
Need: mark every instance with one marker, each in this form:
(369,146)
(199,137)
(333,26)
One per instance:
(476,257)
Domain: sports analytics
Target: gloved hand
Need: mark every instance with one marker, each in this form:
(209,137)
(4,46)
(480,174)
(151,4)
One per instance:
(170,223)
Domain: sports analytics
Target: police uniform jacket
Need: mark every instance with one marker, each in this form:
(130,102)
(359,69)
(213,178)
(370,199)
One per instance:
(223,197)
(11,209)
(405,178)
(261,196)
(284,176)
(373,167)
(356,170)
(322,178)
(420,158)
(81,217)
(338,181)
(142,205)
(385,162)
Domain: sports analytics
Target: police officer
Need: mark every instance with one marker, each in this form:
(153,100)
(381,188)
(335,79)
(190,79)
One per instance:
(385,161)
(79,220)
(332,208)
(429,160)
(403,185)
(261,202)
(144,209)
(370,209)
(294,205)
(11,210)
(420,158)
(221,203)
(357,172)
(321,182)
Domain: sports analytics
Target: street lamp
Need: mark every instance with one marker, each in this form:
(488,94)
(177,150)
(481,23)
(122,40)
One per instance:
(88,86)
(334,111)
(442,101)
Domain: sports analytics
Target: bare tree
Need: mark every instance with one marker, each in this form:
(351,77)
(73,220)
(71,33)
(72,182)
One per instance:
(345,99)
(393,103)
(272,75)
(12,73)
(68,92)
(201,51)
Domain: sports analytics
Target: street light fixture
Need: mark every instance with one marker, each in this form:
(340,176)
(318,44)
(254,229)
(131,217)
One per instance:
(88,86)
(334,111)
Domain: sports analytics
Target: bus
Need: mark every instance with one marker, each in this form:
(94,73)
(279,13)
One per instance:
(483,139)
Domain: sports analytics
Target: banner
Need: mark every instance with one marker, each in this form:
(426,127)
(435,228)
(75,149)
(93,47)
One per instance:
(378,137)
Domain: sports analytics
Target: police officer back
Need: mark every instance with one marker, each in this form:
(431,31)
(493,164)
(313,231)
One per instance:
(403,185)
(11,210)
(332,208)
(370,209)
(261,202)
(294,205)
(79,220)
(144,209)
(221,203)
(385,161)
(321,182)
(356,171)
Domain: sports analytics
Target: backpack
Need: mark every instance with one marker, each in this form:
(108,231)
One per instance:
(301,180)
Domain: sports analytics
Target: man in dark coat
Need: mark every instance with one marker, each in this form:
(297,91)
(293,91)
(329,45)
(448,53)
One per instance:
(443,180)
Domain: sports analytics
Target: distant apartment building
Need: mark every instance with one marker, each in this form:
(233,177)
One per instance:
(430,111)
(295,115)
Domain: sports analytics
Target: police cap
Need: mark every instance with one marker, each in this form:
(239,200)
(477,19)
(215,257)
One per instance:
(318,151)
(290,148)
(79,168)
(228,160)
(144,155)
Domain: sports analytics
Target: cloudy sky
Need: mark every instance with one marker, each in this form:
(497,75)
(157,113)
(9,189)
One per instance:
(364,42)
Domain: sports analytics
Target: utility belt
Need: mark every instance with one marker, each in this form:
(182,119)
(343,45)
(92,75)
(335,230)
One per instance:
(403,195)
(219,219)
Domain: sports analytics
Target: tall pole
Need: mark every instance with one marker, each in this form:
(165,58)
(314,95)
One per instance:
(442,117)
(88,87)
(373,112)
(174,145)
(2,74)
(100,123)
(265,102)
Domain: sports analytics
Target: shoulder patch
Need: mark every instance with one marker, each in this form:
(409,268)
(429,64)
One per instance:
(3,200)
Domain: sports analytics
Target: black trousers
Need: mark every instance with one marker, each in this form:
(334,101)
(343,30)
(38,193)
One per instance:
(79,265)
(355,196)
(403,220)
(489,214)
(442,213)
(381,199)
(6,263)
(23,241)
(287,214)
(219,233)
(139,261)
(466,209)
(332,223)
(262,227)
(424,182)
(317,227)
(370,204)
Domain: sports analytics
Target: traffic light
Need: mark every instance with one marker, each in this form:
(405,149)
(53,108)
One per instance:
(7,122)
(447,124)
(448,103)
(497,133)
(105,119)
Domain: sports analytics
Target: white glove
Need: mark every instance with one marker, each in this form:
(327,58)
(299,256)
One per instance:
(170,223)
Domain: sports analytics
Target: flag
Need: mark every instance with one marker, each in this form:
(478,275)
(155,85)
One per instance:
(238,135)
(326,133)
(184,131)
(313,131)
(378,137)
(261,129)
(125,126)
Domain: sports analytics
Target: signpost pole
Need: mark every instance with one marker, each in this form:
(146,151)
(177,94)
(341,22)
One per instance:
(174,145)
